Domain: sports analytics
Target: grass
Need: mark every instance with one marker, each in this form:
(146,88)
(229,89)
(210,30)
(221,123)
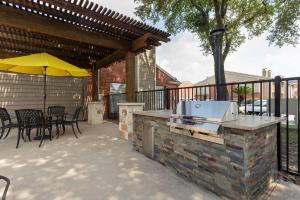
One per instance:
(293,134)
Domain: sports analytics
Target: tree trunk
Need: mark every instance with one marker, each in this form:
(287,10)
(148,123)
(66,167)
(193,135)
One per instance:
(223,89)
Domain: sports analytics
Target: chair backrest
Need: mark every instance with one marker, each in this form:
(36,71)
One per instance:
(29,117)
(6,187)
(76,114)
(4,115)
(56,111)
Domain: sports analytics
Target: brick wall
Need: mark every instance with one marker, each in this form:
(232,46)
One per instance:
(116,73)
(162,79)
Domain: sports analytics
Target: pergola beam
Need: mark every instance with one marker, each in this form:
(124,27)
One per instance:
(111,58)
(40,24)
(138,45)
(142,42)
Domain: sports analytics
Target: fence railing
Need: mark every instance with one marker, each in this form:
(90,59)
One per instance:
(244,93)
(273,97)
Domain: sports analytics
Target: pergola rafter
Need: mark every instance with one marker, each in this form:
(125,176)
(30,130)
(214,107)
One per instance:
(78,31)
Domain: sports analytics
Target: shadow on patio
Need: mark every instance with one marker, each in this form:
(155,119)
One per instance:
(98,165)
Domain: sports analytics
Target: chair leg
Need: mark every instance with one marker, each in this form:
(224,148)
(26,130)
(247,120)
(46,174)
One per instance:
(64,129)
(50,133)
(74,131)
(57,129)
(19,136)
(2,132)
(57,136)
(28,134)
(56,125)
(78,128)
(7,133)
(22,134)
(6,187)
(43,136)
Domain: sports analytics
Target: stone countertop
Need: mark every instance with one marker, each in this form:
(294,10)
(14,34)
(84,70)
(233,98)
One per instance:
(166,114)
(244,122)
(130,104)
(95,102)
(249,122)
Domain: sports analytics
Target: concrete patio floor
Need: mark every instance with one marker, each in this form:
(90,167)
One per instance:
(98,165)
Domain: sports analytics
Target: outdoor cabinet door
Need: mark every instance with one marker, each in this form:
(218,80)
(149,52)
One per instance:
(148,141)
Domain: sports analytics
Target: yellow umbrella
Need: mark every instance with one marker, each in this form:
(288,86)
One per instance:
(41,64)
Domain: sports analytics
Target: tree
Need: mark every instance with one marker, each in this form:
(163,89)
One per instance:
(242,92)
(241,19)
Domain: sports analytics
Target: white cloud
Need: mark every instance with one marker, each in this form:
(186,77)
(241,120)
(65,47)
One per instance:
(256,54)
(123,6)
(182,56)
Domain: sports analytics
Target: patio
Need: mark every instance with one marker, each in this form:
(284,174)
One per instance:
(98,165)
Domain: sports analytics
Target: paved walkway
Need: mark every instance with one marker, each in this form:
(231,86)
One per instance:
(96,166)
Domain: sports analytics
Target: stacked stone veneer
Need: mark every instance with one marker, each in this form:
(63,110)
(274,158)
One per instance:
(95,112)
(126,119)
(240,169)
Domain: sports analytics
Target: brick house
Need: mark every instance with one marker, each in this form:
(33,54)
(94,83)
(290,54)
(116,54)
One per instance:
(165,80)
(115,74)
(235,77)
(186,93)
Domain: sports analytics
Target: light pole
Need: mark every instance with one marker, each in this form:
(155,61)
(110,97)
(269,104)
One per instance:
(216,37)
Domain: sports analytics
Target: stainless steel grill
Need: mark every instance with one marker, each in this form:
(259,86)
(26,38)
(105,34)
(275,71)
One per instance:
(203,116)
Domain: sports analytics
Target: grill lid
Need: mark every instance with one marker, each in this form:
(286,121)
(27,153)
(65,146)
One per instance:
(203,116)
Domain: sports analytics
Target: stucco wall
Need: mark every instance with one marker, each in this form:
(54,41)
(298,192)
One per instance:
(145,70)
(20,91)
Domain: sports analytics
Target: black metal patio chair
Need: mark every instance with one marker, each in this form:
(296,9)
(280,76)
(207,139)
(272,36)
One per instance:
(56,115)
(73,121)
(6,186)
(29,119)
(6,123)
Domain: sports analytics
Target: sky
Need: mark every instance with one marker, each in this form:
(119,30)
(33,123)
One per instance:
(182,56)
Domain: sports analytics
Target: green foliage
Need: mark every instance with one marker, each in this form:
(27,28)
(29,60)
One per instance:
(241,18)
(242,90)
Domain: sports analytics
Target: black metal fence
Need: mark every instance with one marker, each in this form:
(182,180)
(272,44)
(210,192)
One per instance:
(274,97)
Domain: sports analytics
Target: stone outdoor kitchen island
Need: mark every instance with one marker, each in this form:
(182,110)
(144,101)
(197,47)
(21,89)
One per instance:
(240,163)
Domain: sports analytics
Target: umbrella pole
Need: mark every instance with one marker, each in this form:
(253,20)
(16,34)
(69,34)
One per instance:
(44,104)
(45,84)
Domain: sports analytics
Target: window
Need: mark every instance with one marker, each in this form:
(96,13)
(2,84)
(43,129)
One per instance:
(116,88)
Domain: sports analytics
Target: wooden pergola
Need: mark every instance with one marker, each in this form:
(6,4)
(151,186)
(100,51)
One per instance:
(78,31)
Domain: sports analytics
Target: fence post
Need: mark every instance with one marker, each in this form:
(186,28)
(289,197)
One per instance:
(278,114)
(169,99)
(107,106)
(166,99)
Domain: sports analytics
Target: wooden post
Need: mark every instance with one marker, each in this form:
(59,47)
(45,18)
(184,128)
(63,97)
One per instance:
(95,84)
(130,77)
